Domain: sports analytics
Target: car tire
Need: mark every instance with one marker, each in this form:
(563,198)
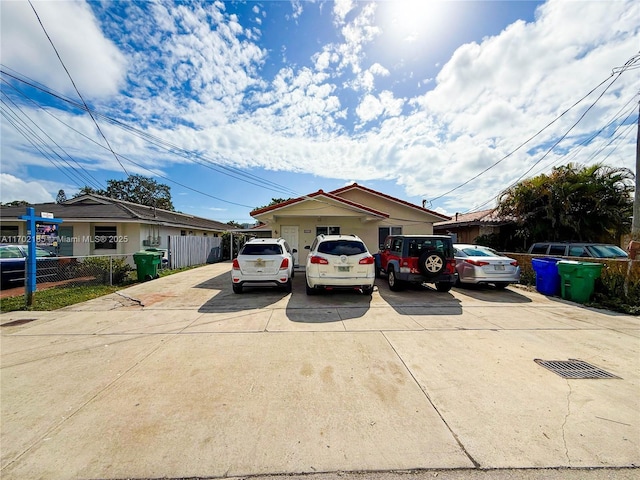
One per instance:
(395,285)
(237,288)
(310,291)
(431,263)
(287,286)
(501,285)
(444,286)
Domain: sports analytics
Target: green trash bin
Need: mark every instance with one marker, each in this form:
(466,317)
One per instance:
(577,279)
(147,262)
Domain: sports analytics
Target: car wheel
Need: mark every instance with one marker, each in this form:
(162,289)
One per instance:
(367,290)
(501,285)
(287,286)
(443,286)
(237,288)
(431,263)
(394,283)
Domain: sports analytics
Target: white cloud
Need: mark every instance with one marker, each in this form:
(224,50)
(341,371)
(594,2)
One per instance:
(96,65)
(13,188)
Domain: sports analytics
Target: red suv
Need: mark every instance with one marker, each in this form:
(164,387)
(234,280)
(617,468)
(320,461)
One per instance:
(418,259)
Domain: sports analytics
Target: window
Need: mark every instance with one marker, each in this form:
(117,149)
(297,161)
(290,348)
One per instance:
(384,232)
(105,238)
(342,247)
(261,249)
(9,234)
(10,252)
(183,233)
(557,249)
(330,230)
(539,249)
(397,245)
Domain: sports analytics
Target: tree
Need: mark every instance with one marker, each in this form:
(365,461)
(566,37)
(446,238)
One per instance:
(580,203)
(234,224)
(274,201)
(61,197)
(16,203)
(135,189)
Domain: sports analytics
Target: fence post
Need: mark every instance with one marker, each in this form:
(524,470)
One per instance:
(110,270)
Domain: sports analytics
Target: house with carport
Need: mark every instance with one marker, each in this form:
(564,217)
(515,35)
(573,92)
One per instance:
(354,209)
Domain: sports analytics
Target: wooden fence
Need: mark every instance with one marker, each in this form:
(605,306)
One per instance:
(187,251)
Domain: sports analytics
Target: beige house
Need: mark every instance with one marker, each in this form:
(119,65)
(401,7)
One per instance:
(97,225)
(353,209)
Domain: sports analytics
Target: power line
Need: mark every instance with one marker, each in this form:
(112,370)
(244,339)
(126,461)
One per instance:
(619,70)
(76,88)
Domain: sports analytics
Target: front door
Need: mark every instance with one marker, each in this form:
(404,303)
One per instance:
(290,234)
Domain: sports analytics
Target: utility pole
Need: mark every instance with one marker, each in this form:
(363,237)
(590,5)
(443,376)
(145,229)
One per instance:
(635,224)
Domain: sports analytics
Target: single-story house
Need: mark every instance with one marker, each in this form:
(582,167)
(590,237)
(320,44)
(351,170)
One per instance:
(98,225)
(467,227)
(353,209)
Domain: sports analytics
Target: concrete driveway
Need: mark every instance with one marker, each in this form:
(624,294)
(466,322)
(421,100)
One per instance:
(179,377)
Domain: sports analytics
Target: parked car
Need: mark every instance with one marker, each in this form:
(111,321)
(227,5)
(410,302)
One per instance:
(263,262)
(477,264)
(418,259)
(339,261)
(13,265)
(567,249)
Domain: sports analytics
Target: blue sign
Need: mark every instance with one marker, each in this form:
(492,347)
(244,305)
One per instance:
(30,267)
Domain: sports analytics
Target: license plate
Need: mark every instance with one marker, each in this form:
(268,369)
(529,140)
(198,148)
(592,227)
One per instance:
(499,267)
(343,269)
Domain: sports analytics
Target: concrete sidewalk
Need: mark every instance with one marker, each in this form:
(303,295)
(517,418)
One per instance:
(179,377)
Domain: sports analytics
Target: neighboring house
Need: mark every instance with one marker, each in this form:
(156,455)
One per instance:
(353,209)
(94,225)
(467,227)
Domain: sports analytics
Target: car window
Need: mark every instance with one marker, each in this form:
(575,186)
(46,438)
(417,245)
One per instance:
(607,251)
(397,245)
(539,249)
(477,252)
(420,245)
(342,247)
(261,249)
(578,251)
(557,249)
(10,252)
(41,252)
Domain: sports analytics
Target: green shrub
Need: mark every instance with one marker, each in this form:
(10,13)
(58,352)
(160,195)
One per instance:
(101,266)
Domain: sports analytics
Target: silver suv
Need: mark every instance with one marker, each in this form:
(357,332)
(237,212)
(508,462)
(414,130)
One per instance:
(339,261)
(263,262)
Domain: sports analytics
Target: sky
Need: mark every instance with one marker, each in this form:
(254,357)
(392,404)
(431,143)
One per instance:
(232,104)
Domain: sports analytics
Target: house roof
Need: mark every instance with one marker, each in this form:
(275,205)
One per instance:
(99,208)
(481,217)
(335,195)
(320,193)
(355,186)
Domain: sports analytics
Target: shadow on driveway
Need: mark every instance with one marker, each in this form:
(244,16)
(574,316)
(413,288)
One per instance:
(325,306)
(419,299)
(489,293)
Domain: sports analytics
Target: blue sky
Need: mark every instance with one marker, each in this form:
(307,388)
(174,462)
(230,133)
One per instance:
(234,103)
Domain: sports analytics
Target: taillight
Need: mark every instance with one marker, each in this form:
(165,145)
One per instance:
(477,263)
(514,264)
(236,264)
(367,261)
(285,264)
(319,260)
(451,266)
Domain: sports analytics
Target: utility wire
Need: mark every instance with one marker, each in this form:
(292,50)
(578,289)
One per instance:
(88,178)
(630,64)
(76,88)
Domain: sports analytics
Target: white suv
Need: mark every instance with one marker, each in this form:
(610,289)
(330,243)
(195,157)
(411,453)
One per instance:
(263,261)
(339,261)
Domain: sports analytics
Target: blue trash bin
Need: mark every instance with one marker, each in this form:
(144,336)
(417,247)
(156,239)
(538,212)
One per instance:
(547,276)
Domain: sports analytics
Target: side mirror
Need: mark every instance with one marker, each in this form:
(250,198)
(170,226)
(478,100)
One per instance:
(295,250)
(381,246)
(307,247)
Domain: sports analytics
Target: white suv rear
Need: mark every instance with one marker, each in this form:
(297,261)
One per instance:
(262,262)
(339,261)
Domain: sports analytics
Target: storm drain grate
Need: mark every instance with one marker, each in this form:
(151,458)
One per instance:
(573,368)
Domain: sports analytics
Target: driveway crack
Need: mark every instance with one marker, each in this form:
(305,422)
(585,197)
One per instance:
(424,392)
(564,423)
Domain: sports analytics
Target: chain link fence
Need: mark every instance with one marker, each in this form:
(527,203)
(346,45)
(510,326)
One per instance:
(71,271)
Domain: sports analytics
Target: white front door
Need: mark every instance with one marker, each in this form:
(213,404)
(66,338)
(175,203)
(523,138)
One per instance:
(290,234)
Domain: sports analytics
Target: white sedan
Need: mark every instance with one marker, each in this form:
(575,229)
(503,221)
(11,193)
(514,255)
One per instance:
(476,264)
